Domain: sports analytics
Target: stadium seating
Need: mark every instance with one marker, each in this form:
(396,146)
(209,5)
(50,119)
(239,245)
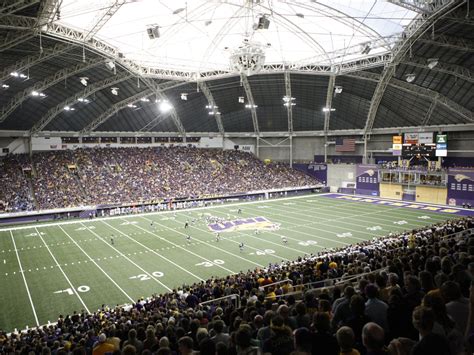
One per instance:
(129,175)
(285,308)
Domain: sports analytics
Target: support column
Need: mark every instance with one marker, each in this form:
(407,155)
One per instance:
(257,147)
(291,151)
(364,158)
(30,147)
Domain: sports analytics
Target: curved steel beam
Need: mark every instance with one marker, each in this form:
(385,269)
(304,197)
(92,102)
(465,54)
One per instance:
(418,90)
(31,60)
(210,99)
(253,110)
(457,43)
(347,20)
(103,17)
(451,69)
(329,96)
(60,75)
(413,32)
(289,108)
(114,109)
(16,6)
(88,90)
(158,89)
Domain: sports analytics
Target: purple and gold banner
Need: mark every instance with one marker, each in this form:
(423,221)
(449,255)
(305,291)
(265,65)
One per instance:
(460,187)
(367,179)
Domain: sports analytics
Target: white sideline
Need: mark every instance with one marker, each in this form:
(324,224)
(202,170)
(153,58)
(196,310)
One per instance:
(62,271)
(24,280)
(131,261)
(154,252)
(98,266)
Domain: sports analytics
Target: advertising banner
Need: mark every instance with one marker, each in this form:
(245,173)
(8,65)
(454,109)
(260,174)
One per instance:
(367,179)
(425,137)
(411,138)
(460,187)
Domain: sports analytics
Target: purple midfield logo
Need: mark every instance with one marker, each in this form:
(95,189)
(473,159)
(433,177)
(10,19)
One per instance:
(260,223)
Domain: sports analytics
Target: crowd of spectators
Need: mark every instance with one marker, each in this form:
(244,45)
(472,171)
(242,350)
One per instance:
(54,184)
(412,296)
(131,175)
(15,194)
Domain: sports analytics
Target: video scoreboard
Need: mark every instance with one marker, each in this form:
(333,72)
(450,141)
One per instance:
(415,150)
(423,144)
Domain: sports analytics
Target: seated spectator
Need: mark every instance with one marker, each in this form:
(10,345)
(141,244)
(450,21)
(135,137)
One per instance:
(303,342)
(101,347)
(324,342)
(345,339)
(373,338)
(281,340)
(430,343)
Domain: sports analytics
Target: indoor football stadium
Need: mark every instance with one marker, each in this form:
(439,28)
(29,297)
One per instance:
(237,177)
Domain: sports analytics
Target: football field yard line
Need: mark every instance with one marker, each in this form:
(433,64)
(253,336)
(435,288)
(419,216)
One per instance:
(80,221)
(153,251)
(128,259)
(98,266)
(351,216)
(22,272)
(368,215)
(62,271)
(284,214)
(180,247)
(204,242)
(308,196)
(247,246)
(392,210)
(338,203)
(267,241)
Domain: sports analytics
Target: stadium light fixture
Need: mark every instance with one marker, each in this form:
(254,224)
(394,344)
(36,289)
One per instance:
(114,91)
(83,80)
(18,75)
(432,62)
(251,106)
(5,86)
(165,106)
(410,78)
(110,65)
(145,99)
(132,105)
(211,107)
(69,108)
(328,109)
(37,93)
(262,24)
(366,48)
(81,99)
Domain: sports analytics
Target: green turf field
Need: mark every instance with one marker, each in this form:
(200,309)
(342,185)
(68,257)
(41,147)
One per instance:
(73,265)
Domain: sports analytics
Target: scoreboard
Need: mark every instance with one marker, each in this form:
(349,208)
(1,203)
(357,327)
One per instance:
(413,150)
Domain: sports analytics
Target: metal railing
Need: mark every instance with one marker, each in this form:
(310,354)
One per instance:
(233,297)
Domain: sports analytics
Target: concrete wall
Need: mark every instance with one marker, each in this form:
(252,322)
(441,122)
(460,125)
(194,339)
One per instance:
(14,145)
(340,174)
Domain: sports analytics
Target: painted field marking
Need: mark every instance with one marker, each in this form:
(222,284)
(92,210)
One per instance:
(24,280)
